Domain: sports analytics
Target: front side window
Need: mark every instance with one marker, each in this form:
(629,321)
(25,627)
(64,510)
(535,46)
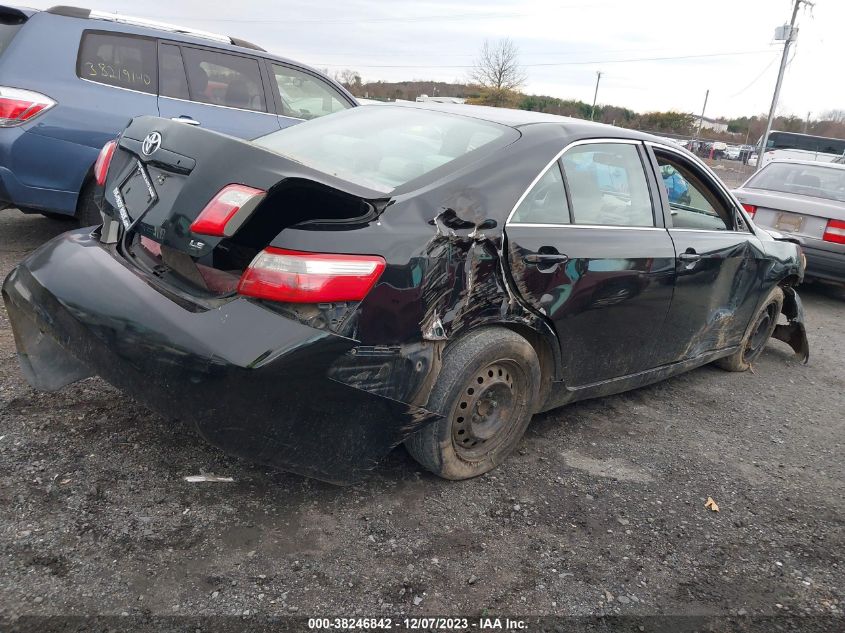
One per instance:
(225,80)
(607,185)
(384,147)
(808,180)
(305,96)
(693,203)
(545,203)
(122,61)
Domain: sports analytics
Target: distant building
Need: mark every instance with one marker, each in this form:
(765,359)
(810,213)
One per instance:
(423,98)
(711,124)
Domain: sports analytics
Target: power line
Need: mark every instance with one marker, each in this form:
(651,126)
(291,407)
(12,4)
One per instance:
(756,79)
(570,63)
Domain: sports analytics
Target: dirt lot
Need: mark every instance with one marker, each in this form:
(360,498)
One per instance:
(601,512)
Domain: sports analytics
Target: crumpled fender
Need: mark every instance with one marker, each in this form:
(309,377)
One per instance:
(793,333)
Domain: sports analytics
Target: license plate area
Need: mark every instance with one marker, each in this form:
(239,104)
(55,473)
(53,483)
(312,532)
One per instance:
(136,194)
(789,222)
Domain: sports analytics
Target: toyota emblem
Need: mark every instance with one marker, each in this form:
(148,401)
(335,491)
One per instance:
(151,143)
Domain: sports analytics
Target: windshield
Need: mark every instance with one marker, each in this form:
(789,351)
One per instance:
(382,147)
(807,180)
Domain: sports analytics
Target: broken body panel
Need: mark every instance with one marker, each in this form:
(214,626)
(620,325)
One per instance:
(327,391)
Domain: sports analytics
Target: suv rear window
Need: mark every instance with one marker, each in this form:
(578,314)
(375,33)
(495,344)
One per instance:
(383,147)
(123,61)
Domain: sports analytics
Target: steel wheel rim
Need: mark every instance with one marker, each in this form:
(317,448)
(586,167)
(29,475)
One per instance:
(487,407)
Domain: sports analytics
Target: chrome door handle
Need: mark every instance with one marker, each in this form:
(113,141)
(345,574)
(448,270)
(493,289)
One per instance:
(185,119)
(689,257)
(546,258)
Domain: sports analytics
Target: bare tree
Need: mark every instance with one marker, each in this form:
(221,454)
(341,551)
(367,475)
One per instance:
(350,79)
(498,71)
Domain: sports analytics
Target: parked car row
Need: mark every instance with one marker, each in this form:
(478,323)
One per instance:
(71,79)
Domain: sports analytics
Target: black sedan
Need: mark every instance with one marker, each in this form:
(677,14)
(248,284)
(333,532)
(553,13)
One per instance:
(390,274)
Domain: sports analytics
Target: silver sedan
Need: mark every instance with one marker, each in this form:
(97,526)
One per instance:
(804,200)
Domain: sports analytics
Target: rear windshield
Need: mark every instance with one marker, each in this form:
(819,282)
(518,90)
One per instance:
(382,147)
(7,32)
(807,180)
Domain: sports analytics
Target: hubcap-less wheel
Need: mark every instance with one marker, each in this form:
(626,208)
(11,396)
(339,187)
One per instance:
(761,333)
(484,414)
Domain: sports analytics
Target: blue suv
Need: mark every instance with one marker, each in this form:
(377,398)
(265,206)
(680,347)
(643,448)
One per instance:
(71,79)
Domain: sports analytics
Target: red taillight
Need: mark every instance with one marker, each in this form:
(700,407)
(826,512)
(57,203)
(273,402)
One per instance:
(101,167)
(298,277)
(750,209)
(223,216)
(834,232)
(19,106)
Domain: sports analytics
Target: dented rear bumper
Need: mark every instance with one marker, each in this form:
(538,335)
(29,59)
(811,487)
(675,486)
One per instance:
(254,383)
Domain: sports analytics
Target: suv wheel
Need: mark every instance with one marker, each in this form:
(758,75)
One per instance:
(87,209)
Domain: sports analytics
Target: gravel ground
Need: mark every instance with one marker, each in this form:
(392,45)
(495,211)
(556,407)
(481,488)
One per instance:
(600,512)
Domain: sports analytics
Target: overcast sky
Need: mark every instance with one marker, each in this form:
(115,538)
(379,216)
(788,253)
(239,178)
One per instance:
(724,45)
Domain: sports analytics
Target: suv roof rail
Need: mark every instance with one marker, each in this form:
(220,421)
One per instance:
(76,12)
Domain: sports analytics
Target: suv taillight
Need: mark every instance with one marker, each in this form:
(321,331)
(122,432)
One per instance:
(750,209)
(19,106)
(101,167)
(298,277)
(834,232)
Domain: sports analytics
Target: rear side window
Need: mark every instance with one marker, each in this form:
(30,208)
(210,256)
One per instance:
(305,96)
(545,203)
(172,81)
(607,185)
(122,61)
(224,80)
(8,28)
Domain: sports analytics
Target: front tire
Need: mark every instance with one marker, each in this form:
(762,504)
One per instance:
(487,392)
(757,335)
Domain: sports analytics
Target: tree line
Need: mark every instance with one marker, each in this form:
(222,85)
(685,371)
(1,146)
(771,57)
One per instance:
(497,77)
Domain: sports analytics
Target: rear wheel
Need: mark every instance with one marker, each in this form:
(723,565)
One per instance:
(87,210)
(487,391)
(757,336)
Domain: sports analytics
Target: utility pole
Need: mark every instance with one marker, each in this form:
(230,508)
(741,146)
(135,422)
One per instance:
(807,122)
(701,118)
(595,94)
(790,33)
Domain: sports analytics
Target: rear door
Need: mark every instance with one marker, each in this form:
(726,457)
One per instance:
(720,263)
(221,91)
(587,248)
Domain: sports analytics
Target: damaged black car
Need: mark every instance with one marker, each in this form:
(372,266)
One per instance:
(431,276)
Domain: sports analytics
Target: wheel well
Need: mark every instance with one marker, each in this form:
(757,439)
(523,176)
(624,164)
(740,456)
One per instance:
(545,354)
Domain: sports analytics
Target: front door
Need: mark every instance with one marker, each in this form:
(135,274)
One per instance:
(588,249)
(719,265)
(216,90)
